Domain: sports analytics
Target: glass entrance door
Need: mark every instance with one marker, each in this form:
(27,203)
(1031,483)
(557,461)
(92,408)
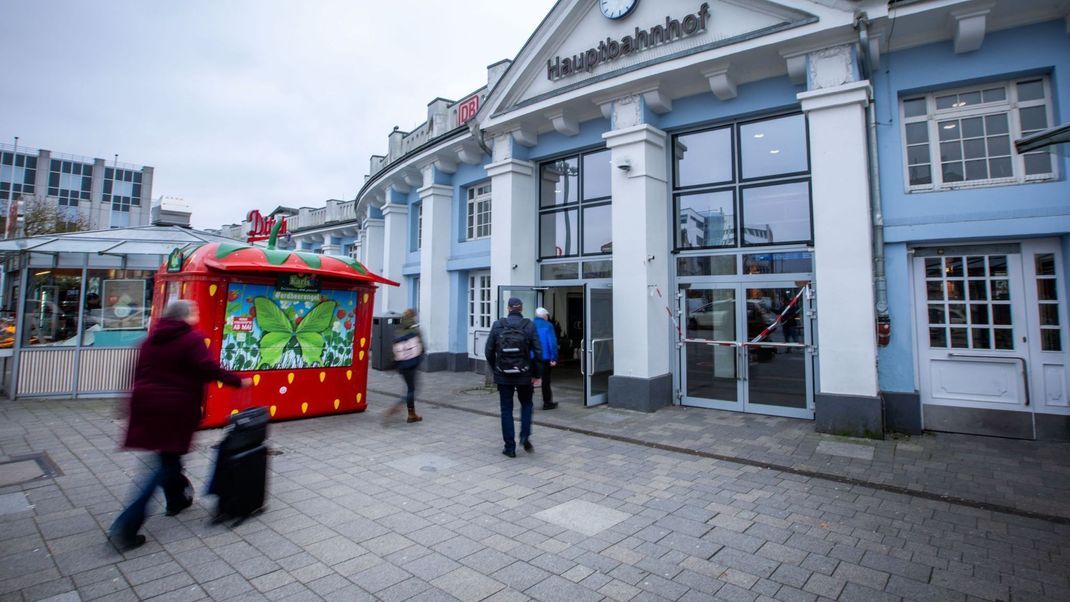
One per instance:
(746,348)
(597,360)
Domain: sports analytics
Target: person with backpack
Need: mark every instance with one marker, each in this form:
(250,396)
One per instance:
(548,340)
(408,353)
(511,352)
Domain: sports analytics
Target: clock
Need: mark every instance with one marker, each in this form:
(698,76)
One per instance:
(617,9)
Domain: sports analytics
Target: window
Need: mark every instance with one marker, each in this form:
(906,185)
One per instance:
(122,188)
(478,223)
(17,174)
(743,184)
(479,303)
(69,181)
(575,209)
(1048,300)
(969,302)
(419,226)
(965,137)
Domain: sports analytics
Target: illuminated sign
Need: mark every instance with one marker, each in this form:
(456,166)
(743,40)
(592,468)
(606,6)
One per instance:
(260,226)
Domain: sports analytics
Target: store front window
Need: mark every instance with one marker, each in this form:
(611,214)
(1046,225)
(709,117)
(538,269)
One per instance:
(745,184)
(115,311)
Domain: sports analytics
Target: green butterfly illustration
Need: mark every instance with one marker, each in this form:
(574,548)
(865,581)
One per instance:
(281,332)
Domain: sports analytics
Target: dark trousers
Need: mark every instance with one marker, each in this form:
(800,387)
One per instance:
(409,374)
(168,475)
(547,393)
(524,393)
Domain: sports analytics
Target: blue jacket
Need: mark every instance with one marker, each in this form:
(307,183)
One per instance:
(548,338)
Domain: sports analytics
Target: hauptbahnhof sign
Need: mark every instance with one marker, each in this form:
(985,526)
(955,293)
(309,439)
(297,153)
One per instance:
(611,49)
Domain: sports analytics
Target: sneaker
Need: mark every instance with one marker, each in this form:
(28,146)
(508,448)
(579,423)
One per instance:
(509,452)
(528,447)
(549,405)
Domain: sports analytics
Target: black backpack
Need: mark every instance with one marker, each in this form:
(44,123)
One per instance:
(512,354)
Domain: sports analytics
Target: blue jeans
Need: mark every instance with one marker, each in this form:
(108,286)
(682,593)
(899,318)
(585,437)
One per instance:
(128,523)
(524,394)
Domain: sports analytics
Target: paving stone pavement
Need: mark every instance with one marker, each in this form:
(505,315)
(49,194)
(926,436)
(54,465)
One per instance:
(359,510)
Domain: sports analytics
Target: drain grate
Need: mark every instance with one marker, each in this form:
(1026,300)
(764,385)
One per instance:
(27,469)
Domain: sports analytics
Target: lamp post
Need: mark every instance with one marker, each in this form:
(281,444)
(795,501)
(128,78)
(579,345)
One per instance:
(11,227)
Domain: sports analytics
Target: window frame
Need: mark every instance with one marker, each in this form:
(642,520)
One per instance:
(578,206)
(737,186)
(473,214)
(1009,106)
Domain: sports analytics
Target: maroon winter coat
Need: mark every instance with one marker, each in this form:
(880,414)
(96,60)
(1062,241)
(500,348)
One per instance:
(165,406)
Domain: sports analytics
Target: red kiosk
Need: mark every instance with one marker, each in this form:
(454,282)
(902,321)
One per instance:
(297,323)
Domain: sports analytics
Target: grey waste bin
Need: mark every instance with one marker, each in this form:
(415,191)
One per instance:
(383,340)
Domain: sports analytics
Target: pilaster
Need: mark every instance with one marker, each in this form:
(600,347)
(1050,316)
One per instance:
(843,259)
(395,248)
(434,253)
(372,241)
(513,211)
(641,329)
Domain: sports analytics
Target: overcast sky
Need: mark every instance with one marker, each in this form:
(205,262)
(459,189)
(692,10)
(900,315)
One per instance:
(243,104)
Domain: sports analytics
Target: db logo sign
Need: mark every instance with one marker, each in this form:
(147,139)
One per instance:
(467,108)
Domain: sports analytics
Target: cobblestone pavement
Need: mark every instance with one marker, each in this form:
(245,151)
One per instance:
(360,510)
(1029,476)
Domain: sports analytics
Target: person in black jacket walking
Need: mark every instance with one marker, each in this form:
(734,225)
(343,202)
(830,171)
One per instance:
(511,350)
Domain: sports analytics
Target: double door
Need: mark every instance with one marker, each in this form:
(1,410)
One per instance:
(596,346)
(990,335)
(747,347)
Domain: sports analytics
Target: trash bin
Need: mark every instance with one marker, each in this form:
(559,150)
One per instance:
(383,340)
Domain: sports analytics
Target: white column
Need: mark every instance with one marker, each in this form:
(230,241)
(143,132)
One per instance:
(843,257)
(641,328)
(395,249)
(434,252)
(514,216)
(372,248)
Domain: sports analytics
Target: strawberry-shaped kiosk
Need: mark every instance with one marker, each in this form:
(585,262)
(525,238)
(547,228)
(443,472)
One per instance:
(297,323)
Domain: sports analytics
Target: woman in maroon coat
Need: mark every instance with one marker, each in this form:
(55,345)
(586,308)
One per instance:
(165,408)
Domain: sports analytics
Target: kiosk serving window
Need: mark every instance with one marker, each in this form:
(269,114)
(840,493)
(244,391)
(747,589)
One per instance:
(743,184)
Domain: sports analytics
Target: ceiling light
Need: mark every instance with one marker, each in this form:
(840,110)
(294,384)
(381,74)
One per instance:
(949,126)
(958,104)
(775,151)
(759,135)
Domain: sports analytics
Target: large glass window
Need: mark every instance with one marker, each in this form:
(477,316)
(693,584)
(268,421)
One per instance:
(478,220)
(969,302)
(575,206)
(118,304)
(964,137)
(122,188)
(479,303)
(17,174)
(70,181)
(50,316)
(754,192)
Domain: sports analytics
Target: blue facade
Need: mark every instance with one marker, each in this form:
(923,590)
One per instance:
(969,214)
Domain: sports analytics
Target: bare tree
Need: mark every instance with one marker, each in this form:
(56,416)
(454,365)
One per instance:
(42,216)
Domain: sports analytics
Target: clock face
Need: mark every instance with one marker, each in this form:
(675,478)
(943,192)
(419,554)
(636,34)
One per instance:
(617,9)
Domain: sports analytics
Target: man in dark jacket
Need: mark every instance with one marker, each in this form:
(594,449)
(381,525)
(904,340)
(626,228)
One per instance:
(511,350)
(165,409)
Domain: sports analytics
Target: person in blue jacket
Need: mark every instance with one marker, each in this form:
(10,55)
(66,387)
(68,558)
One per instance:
(548,339)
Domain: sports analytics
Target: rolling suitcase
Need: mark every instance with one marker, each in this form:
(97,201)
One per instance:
(240,475)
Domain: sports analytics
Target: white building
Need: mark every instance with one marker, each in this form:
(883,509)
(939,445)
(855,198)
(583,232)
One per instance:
(722,202)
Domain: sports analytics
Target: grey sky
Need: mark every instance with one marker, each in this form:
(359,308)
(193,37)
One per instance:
(243,104)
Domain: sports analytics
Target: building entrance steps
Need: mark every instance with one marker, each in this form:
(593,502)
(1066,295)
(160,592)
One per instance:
(1029,478)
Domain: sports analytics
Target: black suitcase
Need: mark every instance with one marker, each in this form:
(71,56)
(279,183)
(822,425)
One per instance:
(240,474)
(242,487)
